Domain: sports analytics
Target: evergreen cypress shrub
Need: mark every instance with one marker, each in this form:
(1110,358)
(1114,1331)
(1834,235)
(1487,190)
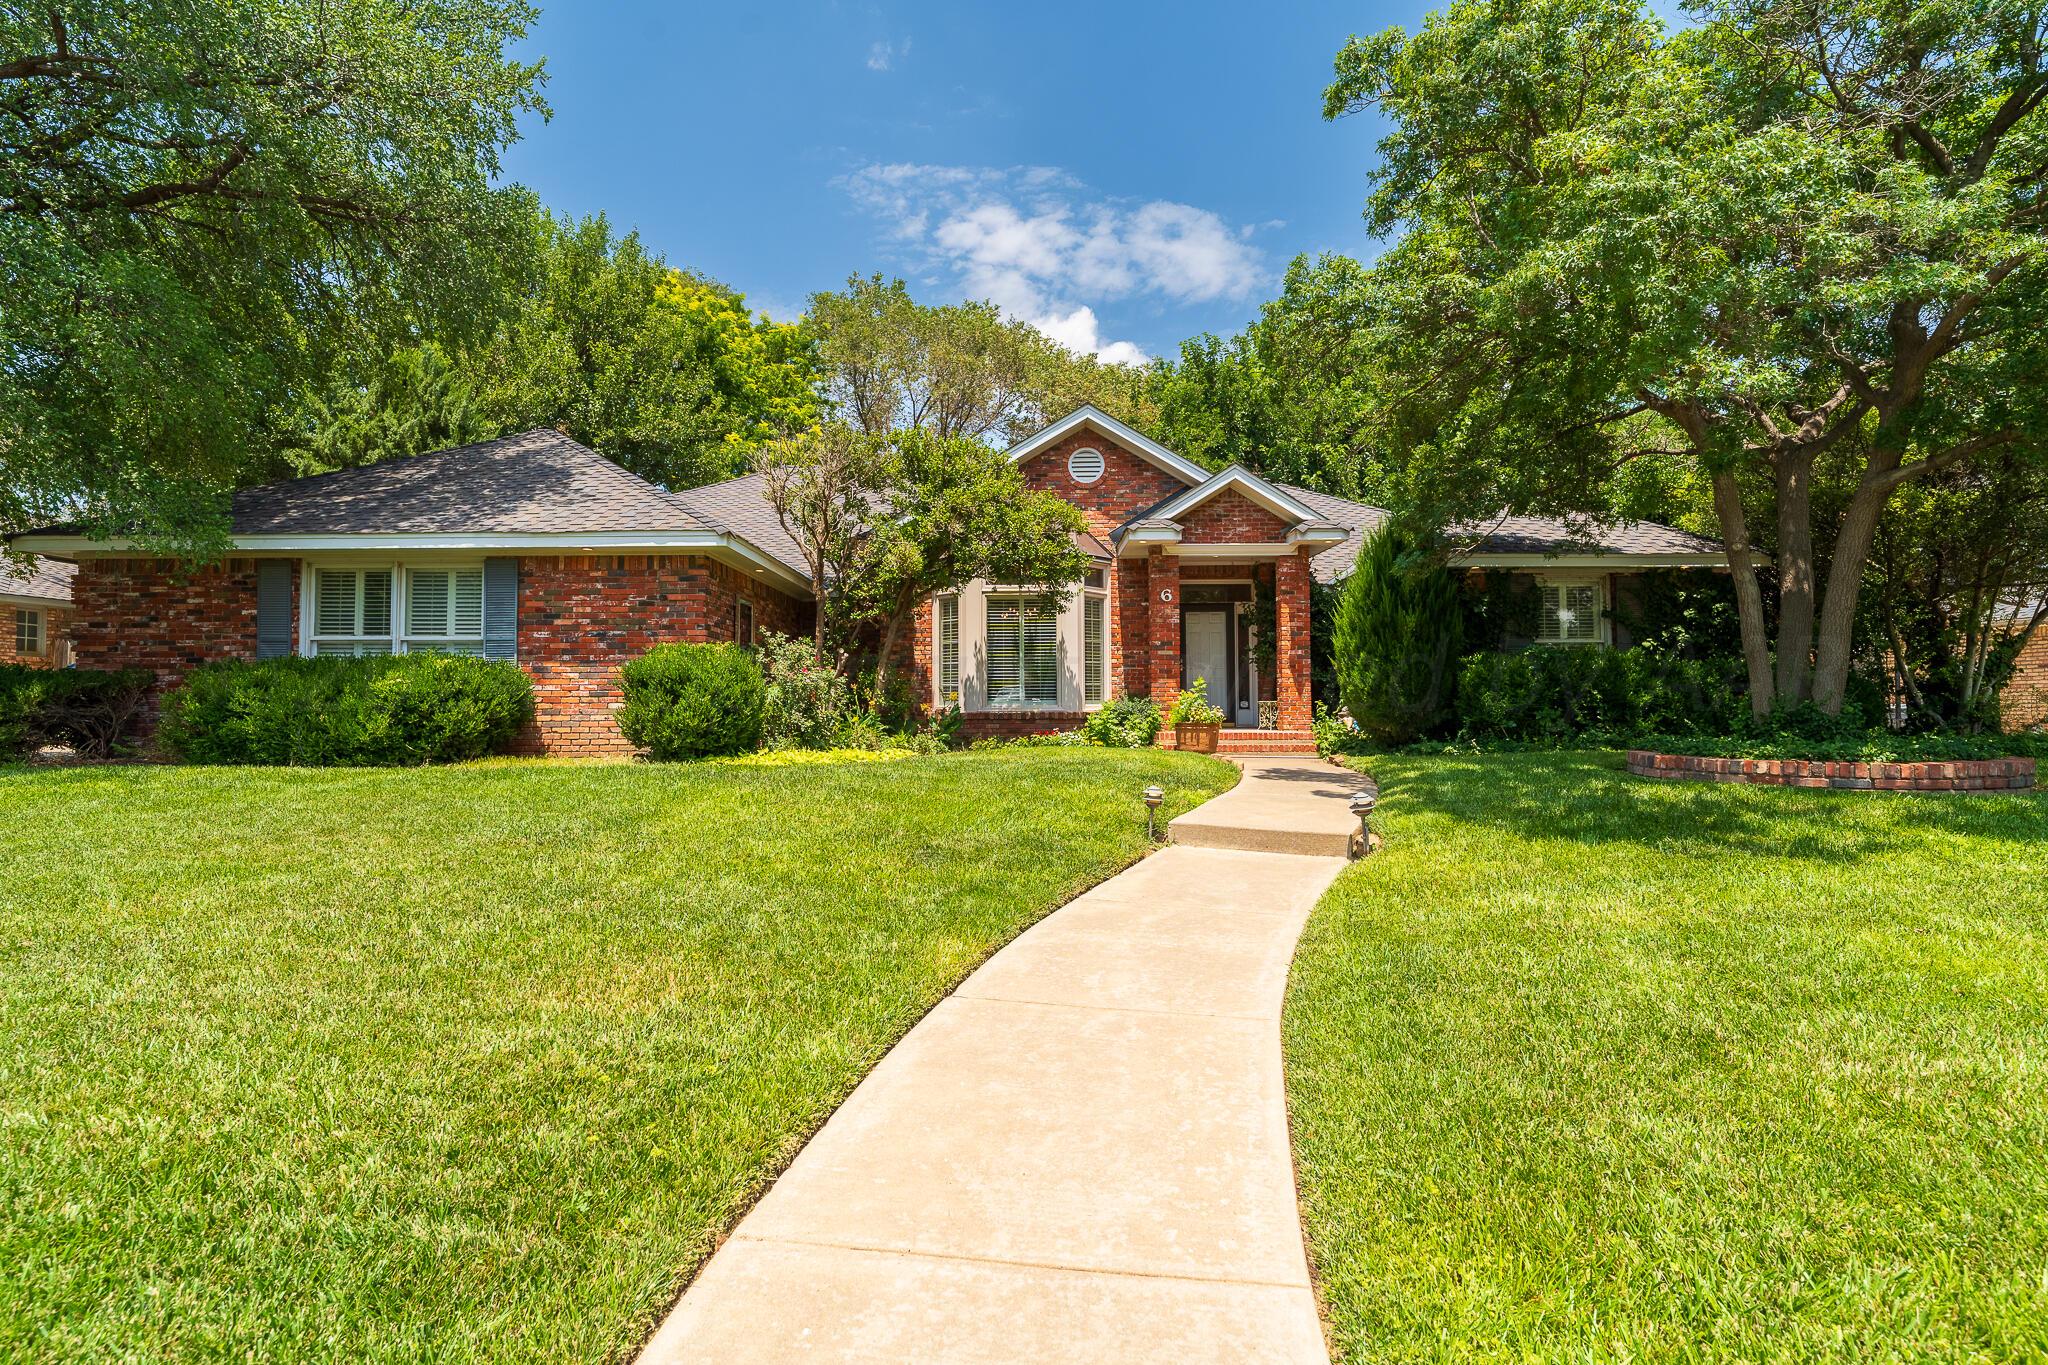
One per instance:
(1396,642)
(693,701)
(393,711)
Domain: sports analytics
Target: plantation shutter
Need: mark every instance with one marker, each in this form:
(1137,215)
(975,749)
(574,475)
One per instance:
(1094,649)
(1041,653)
(501,608)
(273,608)
(1005,655)
(949,650)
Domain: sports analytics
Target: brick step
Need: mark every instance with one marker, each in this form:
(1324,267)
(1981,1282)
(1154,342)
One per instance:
(1255,741)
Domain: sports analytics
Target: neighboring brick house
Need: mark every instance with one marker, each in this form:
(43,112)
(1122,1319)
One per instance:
(535,549)
(35,613)
(2023,705)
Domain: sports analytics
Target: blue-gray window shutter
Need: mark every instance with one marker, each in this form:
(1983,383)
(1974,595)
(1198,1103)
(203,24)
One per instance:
(501,608)
(273,608)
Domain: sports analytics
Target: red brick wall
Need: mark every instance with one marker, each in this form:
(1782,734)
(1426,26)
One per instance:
(1162,634)
(1291,623)
(1129,484)
(57,628)
(2024,703)
(581,617)
(1230,518)
(1017,724)
(1130,628)
(161,615)
(1976,775)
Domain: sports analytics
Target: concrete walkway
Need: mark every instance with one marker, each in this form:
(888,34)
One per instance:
(1080,1155)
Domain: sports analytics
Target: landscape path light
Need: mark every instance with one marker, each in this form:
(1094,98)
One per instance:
(1154,797)
(1361,806)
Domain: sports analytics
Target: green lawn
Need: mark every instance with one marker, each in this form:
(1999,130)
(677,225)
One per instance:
(474,1063)
(1589,1068)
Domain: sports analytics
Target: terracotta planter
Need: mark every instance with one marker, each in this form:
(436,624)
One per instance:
(1196,739)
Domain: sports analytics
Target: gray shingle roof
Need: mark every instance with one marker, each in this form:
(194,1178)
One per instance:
(1539,535)
(1517,535)
(741,507)
(534,483)
(45,580)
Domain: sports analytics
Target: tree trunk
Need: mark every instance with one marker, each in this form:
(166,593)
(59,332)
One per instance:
(1749,598)
(1845,584)
(1795,576)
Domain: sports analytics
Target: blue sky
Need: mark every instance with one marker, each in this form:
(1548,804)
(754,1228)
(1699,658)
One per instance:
(1121,175)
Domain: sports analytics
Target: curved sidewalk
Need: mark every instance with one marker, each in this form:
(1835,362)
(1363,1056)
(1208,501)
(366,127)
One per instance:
(1080,1155)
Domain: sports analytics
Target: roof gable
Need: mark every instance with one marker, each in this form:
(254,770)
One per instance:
(1270,496)
(1129,437)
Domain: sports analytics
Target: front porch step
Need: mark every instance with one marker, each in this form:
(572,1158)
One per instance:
(1234,741)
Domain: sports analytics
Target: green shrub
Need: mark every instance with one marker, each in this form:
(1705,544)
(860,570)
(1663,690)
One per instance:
(393,711)
(92,712)
(1398,630)
(1568,693)
(1126,723)
(693,701)
(1192,707)
(808,701)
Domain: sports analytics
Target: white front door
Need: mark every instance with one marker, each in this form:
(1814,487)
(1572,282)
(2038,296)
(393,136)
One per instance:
(1205,647)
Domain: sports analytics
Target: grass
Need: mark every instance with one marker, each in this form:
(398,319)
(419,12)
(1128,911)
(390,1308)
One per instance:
(472,1063)
(1589,1068)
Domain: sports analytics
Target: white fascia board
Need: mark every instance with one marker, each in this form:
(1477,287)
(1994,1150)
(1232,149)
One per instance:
(1248,483)
(1615,562)
(1128,437)
(12,600)
(1268,549)
(567,542)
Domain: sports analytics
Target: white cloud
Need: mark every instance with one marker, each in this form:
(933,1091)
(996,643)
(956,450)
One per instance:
(882,53)
(1037,243)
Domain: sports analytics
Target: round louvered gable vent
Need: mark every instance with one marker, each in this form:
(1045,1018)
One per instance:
(1085,465)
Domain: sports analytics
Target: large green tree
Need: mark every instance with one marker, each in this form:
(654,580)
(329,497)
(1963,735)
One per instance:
(665,371)
(891,363)
(202,205)
(1800,241)
(1291,395)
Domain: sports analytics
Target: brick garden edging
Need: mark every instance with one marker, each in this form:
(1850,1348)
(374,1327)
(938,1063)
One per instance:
(1971,775)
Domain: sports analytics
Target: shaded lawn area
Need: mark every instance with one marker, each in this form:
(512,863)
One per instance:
(471,1063)
(1592,1068)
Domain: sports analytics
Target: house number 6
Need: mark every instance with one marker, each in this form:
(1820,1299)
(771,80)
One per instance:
(1166,594)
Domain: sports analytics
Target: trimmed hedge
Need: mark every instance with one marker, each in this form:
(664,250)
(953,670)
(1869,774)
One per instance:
(92,712)
(394,711)
(693,701)
(1559,693)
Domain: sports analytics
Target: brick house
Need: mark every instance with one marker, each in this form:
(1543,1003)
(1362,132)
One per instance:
(35,614)
(534,549)
(2023,705)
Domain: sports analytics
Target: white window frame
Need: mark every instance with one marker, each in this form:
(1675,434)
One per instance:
(946,650)
(398,639)
(1603,632)
(1023,701)
(29,624)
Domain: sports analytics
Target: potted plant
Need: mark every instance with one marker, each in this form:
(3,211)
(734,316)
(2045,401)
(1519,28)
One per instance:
(1196,724)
